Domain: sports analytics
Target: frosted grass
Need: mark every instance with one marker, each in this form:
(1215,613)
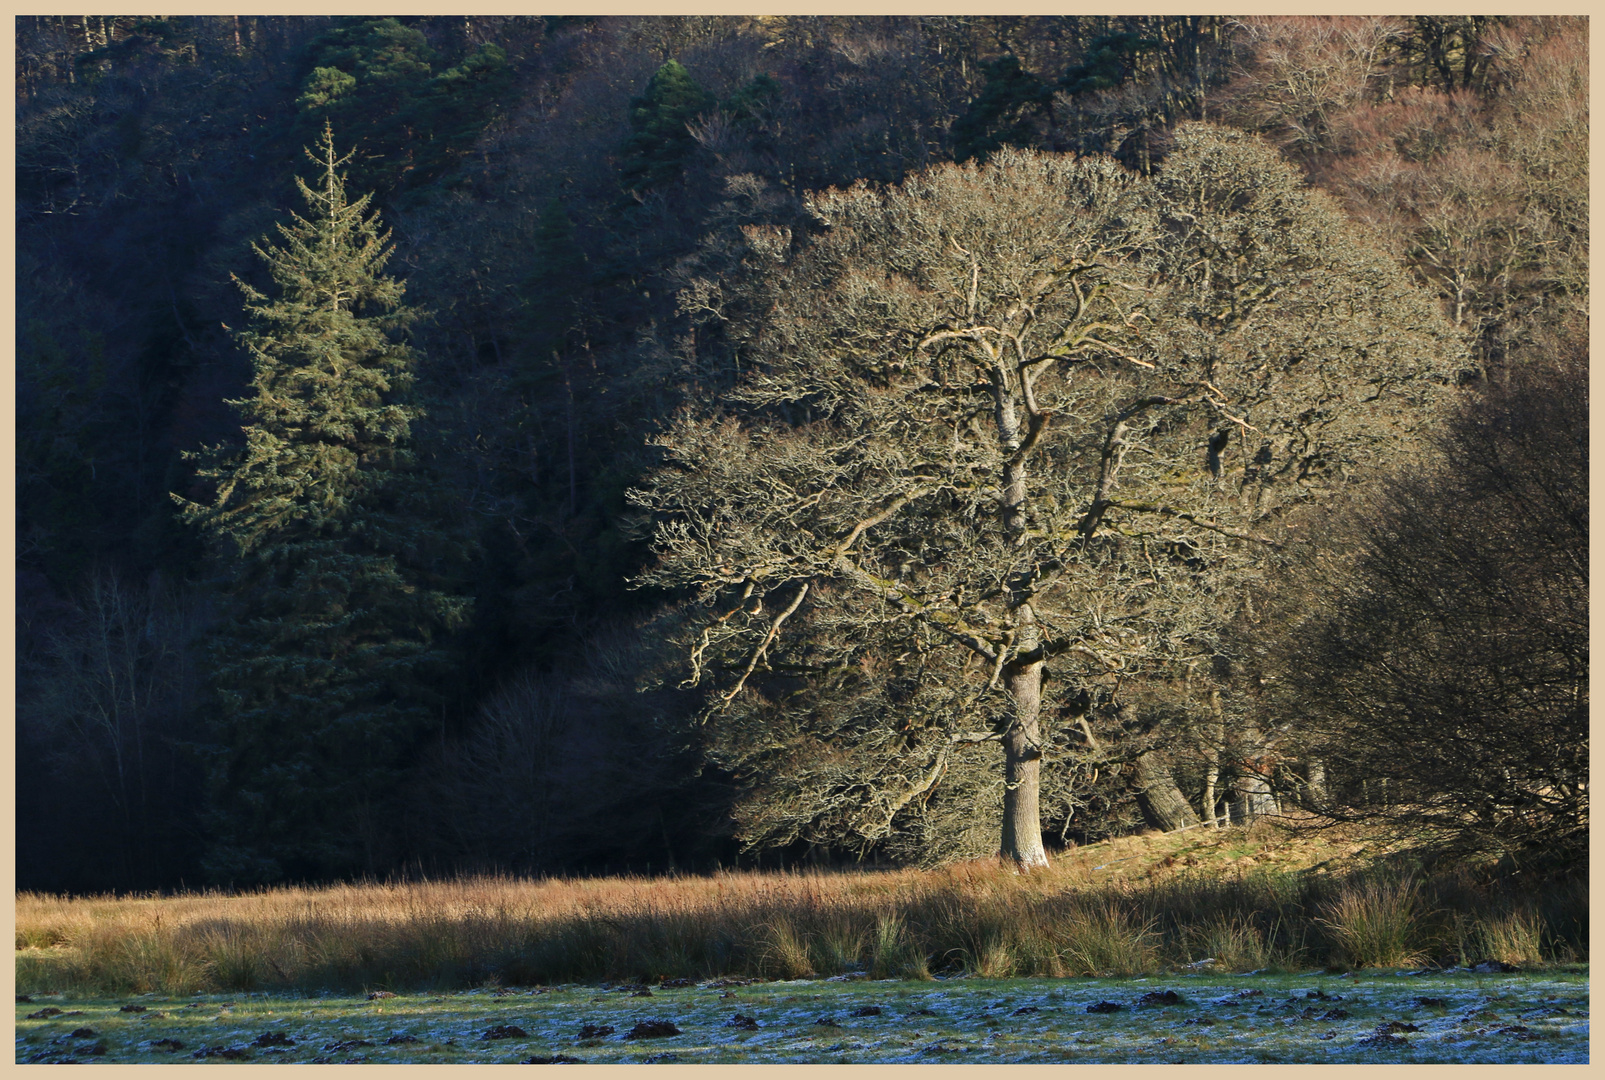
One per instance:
(1440,1017)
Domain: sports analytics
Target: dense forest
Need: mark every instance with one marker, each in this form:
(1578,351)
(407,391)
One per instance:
(558,444)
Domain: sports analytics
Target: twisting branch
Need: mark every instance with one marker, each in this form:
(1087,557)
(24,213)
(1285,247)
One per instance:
(997,673)
(707,632)
(875,519)
(1036,425)
(774,629)
(1202,523)
(839,552)
(1113,455)
(920,788)
(972,333)
(950,625)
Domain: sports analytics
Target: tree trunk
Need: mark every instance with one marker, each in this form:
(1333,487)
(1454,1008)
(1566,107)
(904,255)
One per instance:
(1022,745)
(1314,783)
(1022,758)
(1252,791)
(1254,797)
(1162,802)
(1217,737)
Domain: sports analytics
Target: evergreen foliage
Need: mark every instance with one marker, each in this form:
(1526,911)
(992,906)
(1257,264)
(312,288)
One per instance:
(1110,62)
(659,140)
(752,99)
(375,78)
(557,276)
(1008,112)
(330,548)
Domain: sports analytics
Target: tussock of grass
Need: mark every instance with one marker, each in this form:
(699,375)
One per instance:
(977,917)
(1110,939)
(1374,923)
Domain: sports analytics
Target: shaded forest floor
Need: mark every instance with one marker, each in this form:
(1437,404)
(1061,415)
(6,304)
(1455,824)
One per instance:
(1268,897)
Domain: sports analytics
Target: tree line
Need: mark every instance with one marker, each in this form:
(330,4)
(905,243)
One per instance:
(654,441)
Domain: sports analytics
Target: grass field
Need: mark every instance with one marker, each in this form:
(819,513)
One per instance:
(1267,897)
(1311,1017)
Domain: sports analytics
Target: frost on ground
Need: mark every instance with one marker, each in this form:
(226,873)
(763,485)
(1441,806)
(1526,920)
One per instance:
(1366,1017)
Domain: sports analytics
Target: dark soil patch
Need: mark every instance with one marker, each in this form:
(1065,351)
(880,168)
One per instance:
(1393,1027)
(1159,997)
(1494,967)
(349,1044)
(231,1053)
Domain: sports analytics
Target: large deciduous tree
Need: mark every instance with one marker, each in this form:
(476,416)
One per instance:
(331,555)
(1038,410)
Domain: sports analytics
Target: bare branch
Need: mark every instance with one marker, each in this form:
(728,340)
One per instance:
(774,629)
(1185,515)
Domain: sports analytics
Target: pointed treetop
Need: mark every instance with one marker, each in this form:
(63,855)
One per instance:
(334,258)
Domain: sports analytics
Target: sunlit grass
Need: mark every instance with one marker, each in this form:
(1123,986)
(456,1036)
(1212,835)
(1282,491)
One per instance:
(1077,918)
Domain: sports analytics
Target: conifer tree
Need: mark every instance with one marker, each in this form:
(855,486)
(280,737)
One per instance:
(330,548)
(1013,109)
(659,139)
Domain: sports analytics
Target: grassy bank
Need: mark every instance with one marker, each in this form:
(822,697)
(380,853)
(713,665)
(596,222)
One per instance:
(1248,899)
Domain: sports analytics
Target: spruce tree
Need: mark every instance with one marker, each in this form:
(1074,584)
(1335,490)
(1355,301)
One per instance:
(659,139)
(330,547)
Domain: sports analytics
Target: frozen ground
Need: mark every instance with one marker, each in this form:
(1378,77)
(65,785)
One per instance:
(1368,1017)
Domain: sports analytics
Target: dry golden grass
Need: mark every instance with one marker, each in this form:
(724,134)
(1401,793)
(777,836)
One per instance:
(1132,905)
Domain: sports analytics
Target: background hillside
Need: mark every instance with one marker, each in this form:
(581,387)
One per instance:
(553,188)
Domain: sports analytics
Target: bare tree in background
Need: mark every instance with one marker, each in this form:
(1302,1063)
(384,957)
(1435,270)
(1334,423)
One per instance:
(1434,653)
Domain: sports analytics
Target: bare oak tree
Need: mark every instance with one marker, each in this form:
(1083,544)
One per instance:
(1040,410)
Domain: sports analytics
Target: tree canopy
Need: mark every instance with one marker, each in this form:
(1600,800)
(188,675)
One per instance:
(1034,411)
(1432,648)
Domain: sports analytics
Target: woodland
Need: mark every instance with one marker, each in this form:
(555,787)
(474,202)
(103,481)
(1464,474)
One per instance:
(562,445)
